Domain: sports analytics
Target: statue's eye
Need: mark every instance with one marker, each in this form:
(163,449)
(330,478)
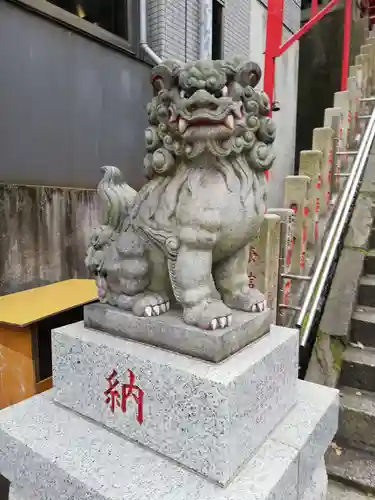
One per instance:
(217,93)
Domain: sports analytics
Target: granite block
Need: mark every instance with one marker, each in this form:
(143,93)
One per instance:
(318,487)
(16,493)
(195,412)
(310,427)
(54,454)
(169,331)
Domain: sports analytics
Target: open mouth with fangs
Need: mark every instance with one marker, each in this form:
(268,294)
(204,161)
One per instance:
(184,124)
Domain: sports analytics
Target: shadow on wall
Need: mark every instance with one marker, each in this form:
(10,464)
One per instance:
(44,233)
(320,73)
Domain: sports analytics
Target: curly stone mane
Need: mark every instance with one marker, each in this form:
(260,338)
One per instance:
(178,92)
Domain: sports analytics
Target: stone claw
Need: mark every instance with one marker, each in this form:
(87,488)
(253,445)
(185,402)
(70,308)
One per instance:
(151,305)
(221,322)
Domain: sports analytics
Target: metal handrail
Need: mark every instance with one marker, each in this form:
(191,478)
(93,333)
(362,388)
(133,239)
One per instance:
(335,233)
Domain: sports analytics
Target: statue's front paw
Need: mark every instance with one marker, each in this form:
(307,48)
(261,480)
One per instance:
(208,315)
(151,304)
(250,300)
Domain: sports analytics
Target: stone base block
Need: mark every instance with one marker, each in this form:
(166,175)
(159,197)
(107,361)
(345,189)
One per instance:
(51,453)
(318,486)
(169,331)
(197,413)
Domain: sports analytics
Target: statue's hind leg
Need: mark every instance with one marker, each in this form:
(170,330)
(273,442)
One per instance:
(141,285)
(232,282)
(156,298)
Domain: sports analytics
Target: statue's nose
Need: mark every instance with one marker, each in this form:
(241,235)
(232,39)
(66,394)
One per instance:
(200,99)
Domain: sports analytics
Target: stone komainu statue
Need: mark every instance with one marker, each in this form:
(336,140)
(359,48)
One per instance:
(184,236)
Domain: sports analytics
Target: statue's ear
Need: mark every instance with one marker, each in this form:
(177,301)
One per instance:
(165,75)
(248,73)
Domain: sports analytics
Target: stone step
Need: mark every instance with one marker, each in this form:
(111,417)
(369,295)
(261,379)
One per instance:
(357,419)
(366,293)
(339,491)
(363,326)
(51,453)
(369,265)
(355,468)
(358,369)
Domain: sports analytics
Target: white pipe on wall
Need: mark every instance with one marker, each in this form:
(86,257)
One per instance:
(143,32)
(205,29)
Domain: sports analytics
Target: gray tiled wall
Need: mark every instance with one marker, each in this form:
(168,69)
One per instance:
(174,26)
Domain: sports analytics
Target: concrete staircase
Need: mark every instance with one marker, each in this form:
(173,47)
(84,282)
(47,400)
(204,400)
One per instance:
(351,458)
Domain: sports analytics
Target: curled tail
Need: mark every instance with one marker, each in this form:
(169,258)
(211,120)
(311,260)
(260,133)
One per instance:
(117,197)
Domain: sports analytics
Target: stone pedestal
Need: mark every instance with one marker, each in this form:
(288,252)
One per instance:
(129,420)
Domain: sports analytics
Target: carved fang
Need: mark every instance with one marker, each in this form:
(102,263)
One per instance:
(229,121)
(214,324)
(182,125)
(223,322)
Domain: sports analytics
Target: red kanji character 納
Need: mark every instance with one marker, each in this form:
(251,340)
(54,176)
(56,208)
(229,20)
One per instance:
(133,390)
(112,394)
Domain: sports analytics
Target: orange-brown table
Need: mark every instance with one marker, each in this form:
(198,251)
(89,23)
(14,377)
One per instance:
(26,321)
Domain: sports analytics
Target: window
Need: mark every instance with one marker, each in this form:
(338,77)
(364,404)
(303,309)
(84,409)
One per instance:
(111,15)
(114,22)
(217,29)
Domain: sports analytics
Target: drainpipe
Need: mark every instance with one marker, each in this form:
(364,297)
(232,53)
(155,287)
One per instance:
(205,30)
(143,32)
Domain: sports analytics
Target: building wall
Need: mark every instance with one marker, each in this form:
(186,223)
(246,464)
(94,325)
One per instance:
(244,35)
(68,105)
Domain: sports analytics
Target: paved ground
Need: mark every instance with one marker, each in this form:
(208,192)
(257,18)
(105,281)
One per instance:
(338,492)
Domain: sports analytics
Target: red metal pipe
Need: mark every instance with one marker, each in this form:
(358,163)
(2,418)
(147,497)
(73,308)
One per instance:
(314,8)
(346,44)
(274,33)
(306,27)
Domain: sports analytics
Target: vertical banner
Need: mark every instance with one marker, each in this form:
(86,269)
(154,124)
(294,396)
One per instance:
(366,50)
(323,141)
(363,60)
(333,119)
(310,166)
(263,267)
(287,218)
(295,198)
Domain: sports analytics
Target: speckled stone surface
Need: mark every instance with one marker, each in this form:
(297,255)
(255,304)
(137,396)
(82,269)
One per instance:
(169,331)
(54,454)
(318,486)
(198,413)
(319,411)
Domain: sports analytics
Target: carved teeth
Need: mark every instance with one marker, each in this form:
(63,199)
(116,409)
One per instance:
(229,121)
(168,305)
(163,307)
(156,310)
(148,311)
(182,125)
(223,322)
(214,324)
(224,91)
(229,319)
